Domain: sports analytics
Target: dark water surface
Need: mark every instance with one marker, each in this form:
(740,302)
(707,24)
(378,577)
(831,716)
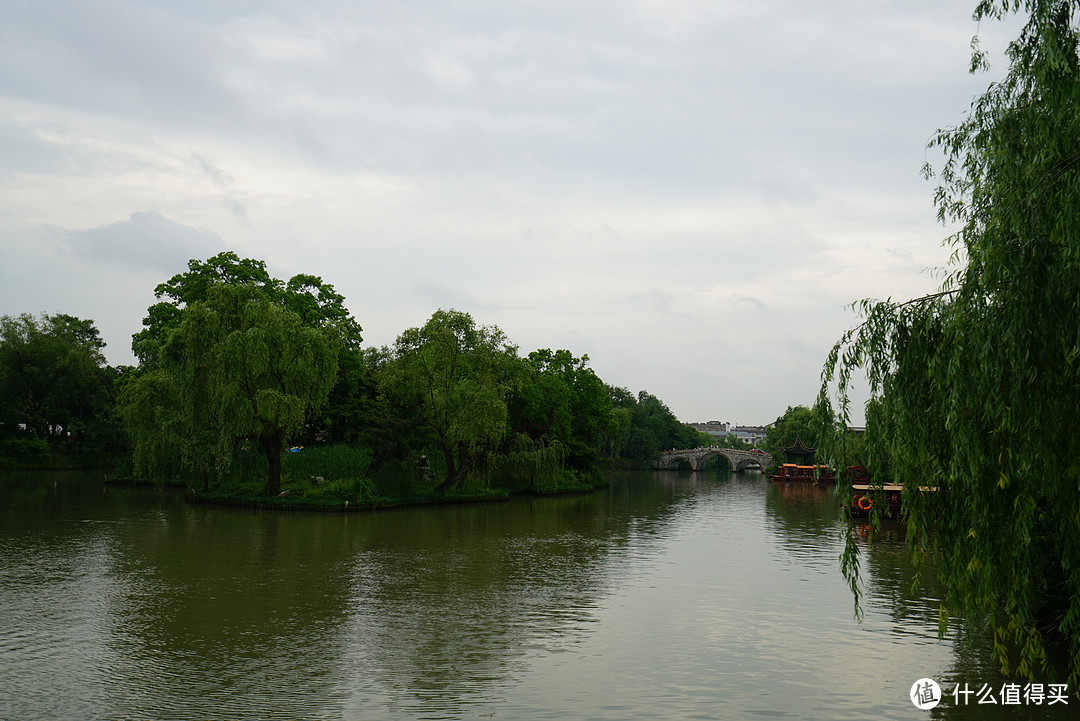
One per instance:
(707,596)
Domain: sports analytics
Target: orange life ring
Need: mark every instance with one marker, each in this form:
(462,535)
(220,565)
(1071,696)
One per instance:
(869,503)
(895,499)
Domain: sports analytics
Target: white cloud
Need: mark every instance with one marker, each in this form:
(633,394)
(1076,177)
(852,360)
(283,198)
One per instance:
(146,239)
(690,192)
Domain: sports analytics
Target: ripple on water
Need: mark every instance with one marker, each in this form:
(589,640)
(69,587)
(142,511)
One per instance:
(670,598)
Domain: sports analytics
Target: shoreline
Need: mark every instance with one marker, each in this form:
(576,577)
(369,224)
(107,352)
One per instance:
(298,504)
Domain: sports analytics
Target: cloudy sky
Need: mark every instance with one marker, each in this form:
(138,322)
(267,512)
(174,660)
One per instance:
(691,192)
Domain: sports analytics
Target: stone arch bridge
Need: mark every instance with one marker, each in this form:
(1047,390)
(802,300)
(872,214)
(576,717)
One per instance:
(698,458)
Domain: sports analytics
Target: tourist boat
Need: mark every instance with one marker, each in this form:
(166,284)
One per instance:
(804,472)
(862,500)
(865,494)
(794,472)
(863,497)
(859,474)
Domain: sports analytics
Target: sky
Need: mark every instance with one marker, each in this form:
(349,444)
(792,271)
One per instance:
(690,192)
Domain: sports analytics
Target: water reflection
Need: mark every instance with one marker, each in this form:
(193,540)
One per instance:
(445,604)
(666,595)
(803,516)
(224,613)
(451,606)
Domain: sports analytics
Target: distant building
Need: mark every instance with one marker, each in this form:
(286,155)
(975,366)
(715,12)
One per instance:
(751,435)
(716,429)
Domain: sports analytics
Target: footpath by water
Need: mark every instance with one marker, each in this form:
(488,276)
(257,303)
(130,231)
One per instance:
(664,596)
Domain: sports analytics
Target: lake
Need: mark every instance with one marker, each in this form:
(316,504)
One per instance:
(664,596)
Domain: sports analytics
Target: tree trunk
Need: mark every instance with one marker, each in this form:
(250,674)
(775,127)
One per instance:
(451,473)
(453,480)
(456,470)
(272,445)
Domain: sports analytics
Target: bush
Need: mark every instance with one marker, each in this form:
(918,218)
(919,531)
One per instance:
(20,452)
(357,490)
(340,460)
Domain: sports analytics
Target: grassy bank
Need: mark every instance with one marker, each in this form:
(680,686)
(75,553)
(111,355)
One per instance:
(343,478)
(342,505)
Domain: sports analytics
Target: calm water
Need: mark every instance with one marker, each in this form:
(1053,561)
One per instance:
(662,597)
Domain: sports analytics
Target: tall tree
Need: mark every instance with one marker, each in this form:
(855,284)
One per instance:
(313,301)
(455,377)
(796,422)
(653,427)
(563,401)
(316,302)
(53,376)
(238,366)
(978,385)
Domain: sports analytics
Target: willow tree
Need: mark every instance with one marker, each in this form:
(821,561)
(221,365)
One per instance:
(976,389)
(315,301)
(561,400)
(454,378)
(237,367)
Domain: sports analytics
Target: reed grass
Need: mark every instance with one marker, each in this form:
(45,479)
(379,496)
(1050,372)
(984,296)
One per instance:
(337,461)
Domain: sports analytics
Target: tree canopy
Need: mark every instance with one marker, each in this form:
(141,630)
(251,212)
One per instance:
(231,356)
(652,427)
(563,401)
(53,376)
(456,377)
(237,367)
(796,422)
(975,388)
(231,310)
(316,302)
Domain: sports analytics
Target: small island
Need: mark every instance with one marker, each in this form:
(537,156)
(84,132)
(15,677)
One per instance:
(255,391)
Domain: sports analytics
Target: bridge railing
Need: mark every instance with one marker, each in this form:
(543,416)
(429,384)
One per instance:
(694,457)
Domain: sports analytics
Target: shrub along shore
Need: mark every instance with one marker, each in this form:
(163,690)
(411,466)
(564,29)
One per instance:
(330,479)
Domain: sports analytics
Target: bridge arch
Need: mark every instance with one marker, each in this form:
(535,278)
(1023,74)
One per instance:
(674,461)
(698,458)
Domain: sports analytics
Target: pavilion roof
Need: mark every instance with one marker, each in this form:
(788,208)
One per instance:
(798,448)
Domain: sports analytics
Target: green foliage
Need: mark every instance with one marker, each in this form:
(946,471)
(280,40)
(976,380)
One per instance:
(352,412)
(531,465)
(237,367)
(453,378)
(16,452)
(561,401)
(651,430)
(148,407)
(53,378)
(316,303)
(731,441)
(613,438)
(399,478)
(354,490)
(320,306)
(234,361)
(975,388)
(700,438)
(229,352)
(328,472)
(338,460)
(797,422)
